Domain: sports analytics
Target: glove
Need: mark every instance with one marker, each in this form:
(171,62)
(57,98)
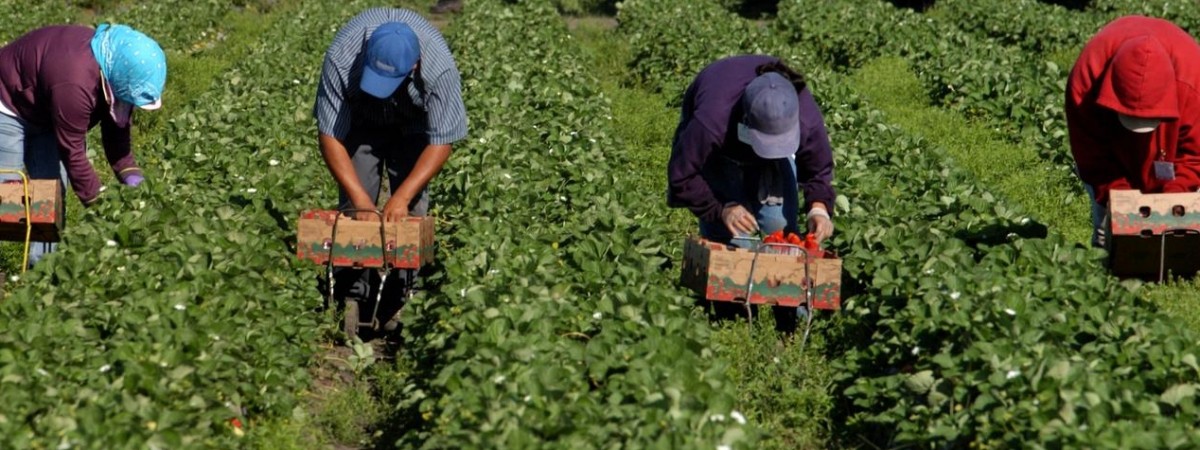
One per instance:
(133,179)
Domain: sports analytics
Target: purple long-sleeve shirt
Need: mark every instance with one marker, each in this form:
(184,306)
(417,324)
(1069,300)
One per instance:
(50,79)
(708,126)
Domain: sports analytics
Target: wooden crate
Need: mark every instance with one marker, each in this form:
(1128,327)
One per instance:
(46,210)
(408,243)
(719,272)
(1152,236)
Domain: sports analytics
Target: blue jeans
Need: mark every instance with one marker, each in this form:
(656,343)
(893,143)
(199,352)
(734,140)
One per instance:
(1099,214)
(24,146)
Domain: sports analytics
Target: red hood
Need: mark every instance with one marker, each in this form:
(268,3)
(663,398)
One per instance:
(1140,81)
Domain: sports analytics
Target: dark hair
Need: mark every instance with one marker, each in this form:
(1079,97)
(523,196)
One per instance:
(779,67)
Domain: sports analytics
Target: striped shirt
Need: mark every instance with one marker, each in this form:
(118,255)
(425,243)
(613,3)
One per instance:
(429,102)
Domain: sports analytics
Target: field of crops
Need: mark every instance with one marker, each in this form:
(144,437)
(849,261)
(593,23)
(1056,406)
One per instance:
(176,316)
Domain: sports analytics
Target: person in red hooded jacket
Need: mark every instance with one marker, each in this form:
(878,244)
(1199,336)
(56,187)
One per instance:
(1132,107)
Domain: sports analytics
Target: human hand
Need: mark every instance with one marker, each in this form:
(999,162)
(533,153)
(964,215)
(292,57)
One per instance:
(819,224)
(738,220)
(395,210)
(365,212)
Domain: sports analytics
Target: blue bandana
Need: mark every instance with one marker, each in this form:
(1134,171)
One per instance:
(132,64)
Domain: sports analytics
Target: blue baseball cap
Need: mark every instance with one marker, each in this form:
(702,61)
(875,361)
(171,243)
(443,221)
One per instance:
(392,51)
(771,124)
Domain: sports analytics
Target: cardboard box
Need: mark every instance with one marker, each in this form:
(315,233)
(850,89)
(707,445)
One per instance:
(407,244)
(46,210)
(720,272)
(1153,236)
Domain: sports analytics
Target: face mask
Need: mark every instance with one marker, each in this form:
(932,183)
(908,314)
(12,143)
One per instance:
(744,134)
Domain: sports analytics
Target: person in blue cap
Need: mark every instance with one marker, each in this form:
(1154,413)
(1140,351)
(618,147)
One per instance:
(389,100)
(750,136)
(58,82)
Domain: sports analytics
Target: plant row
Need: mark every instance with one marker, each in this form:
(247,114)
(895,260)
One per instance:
(550,322)
(177,306)
(965,324)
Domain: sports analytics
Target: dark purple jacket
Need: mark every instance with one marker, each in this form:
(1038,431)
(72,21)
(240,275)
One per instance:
(708,126)
(50,79)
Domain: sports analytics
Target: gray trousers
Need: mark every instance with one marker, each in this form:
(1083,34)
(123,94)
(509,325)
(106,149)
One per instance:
(372,155)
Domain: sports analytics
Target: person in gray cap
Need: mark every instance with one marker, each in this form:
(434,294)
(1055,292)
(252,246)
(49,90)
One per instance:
(389,99)
(751,136)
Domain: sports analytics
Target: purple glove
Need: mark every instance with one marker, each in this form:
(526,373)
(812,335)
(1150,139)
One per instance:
(133,179)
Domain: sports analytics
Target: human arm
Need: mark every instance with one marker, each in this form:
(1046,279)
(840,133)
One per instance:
(1187,152)
(814,159)
(686,186)
(71,108)
(337,159)
(118,151)
(432,158)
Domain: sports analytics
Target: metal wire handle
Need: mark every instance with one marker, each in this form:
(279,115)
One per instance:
(1162,250)
(383,269)
(26,201)
(808,294)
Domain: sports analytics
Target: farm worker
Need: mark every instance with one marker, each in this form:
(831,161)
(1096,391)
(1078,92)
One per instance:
(389,98)
(1133,109)
(58,82)
(750,136)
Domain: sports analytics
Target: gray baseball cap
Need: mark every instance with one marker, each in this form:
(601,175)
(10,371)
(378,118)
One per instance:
(771,125)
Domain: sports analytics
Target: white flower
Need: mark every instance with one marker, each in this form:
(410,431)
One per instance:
(15,278)
(141,203)
(775,360)
(463,292)
(110,243)
(499,379)
(105,368)
(214,337)
(482,140)
(295,81)
(955,295)
(562,198)
(180,307)
(199,155)
(717,418)
(507,176)
(928,271)
(493,271)
(103,188)
(251,190)
(738,417)
(916,350)
(121,269)
(724,447)
(1012,374)
(528,398)
(1010,311)
(597,315)
(273,162)
(1024,220)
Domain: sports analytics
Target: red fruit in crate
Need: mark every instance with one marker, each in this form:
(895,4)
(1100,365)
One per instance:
(794,239)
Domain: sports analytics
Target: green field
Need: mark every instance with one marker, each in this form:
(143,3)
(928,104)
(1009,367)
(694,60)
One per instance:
(975,315)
